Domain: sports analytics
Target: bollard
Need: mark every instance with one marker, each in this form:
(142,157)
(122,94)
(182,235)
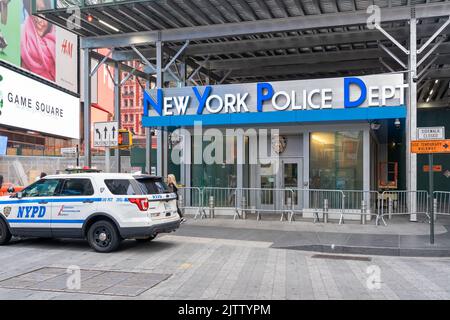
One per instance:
(181,203)
(391,205)
(244,207)
(363,212)
(435,208)
(211,207)
(325,211)
(288,205)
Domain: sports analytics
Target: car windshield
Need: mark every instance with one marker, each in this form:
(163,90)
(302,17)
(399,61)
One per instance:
(152,186)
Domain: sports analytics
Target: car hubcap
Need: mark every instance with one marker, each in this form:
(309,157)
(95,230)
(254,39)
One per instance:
(102,237)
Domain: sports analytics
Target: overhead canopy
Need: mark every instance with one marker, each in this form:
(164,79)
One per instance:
(266,40)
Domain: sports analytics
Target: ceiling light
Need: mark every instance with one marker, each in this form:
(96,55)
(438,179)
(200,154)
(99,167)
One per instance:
(108,25)
(90,18)
(431,92)
(436,81)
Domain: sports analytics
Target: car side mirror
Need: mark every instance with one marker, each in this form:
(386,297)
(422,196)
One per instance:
(19,195)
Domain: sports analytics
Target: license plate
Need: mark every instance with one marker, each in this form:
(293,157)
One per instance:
(167,206)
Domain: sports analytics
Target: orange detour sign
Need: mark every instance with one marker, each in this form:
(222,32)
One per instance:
(430,146)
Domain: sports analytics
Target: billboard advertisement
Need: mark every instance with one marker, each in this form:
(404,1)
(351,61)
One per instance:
(38,107)
(36,45)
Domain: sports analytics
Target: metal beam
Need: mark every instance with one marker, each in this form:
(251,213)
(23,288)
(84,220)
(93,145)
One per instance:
(289,42)
(327,67)
(124,67)
(264,26)
(87,107)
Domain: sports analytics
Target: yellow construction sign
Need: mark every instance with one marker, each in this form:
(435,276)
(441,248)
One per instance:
(430,146)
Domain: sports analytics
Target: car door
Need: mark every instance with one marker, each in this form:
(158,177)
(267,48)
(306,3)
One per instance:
(76,202)
(31,212)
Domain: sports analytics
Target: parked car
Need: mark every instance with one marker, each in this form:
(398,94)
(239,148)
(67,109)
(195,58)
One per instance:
(103,208)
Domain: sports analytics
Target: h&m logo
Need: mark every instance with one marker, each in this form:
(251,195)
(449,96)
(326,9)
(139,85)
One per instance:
(31,212)
(67,48)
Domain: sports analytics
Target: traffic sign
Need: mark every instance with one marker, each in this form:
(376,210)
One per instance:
(436,168)
(431,133)
(106,134)
(430,146)
(69,151)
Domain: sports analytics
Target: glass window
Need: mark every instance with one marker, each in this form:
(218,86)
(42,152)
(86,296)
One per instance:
(223,172)
(336,160)
(121,187)
(77,187)
(152,186)
(42,188)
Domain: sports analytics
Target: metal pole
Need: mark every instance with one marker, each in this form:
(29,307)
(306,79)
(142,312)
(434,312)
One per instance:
(431,191)
(117,116)
(87,107)
(411,120)
(107,159)
(159,85)
(78,155)
(148,141)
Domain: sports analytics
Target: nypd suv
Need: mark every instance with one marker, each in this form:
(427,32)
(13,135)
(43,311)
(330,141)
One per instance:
(103,208)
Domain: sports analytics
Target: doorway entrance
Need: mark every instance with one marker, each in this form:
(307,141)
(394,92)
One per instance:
(276,179)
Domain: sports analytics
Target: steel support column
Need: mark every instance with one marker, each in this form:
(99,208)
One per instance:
(148,142)
(117,116)
(87,107)
(411,119)
(162,133)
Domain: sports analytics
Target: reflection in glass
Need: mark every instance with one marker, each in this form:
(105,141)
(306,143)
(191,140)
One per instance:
(336,160)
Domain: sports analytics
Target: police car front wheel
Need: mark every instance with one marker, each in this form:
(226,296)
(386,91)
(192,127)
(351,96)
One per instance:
(5,234)
(103,236)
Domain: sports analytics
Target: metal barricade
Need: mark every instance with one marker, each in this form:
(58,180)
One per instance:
(191,198)
(265,200)
(441,203)
(365,203)
(396,203)
(320,203)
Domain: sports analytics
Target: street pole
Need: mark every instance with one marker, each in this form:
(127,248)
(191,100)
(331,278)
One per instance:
(107,160)
(430,197)
(78,155)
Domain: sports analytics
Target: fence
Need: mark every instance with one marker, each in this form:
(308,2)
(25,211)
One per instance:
(312,203)
(441,203)
(404,203)
(21,171)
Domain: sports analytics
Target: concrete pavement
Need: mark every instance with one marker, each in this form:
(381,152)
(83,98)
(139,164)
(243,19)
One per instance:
(207,267)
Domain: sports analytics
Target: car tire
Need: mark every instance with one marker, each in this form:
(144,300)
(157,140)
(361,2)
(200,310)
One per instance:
(5,234)
(148,239)
(103,236)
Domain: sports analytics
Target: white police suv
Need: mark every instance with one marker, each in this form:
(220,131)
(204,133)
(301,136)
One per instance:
(104,208)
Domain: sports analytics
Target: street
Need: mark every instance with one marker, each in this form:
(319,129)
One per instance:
(179,266)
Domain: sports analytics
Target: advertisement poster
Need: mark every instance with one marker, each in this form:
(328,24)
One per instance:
(36,45)
(37,106)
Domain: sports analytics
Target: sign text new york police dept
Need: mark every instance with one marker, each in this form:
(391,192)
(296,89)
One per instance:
(333,93)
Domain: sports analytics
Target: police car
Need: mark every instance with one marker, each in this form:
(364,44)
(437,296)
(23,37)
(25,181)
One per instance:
(100,207)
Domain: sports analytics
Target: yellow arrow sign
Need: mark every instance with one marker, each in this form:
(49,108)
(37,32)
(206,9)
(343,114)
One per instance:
(430,146)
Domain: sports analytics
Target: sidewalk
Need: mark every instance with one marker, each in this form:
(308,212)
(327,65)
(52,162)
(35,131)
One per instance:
(399,238)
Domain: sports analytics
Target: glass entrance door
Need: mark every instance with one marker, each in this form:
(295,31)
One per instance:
(292,179)
(275,182)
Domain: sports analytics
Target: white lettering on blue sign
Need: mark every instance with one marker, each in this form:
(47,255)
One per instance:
(354,93)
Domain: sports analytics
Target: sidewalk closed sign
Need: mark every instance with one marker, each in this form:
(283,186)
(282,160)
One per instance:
(431,133)
(430,146)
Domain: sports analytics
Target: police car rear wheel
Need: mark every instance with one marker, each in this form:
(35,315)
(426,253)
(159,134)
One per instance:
(5,235)
(103,236)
